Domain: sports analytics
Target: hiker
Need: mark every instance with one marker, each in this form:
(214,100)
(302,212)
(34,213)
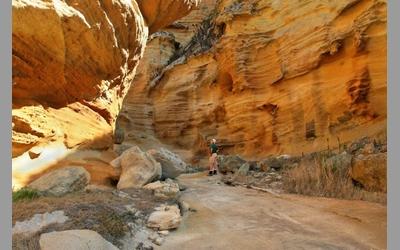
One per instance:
(213,158)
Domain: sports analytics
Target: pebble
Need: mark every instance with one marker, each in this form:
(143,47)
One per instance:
(131,209)
(158,241)
(163,232)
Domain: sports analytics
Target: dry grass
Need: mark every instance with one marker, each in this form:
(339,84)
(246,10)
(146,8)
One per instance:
(315,177)
(20,242)
(103,212)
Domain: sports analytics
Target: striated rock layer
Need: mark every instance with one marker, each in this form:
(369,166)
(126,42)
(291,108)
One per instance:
(73,62)
(265,77)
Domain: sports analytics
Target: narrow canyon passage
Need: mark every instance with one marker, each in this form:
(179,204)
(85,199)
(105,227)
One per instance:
(228,217)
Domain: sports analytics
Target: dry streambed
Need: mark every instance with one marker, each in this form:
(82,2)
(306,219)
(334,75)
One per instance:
(240,218)
(214,216)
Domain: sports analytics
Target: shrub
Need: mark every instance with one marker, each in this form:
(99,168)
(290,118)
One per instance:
(319,176)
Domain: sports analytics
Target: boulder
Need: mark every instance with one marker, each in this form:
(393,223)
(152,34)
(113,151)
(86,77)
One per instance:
(229,163)
(164,218)
(165,189)
(38,222)
(61,181)
(370,171)
(74,239)
(171,164)
(137,168)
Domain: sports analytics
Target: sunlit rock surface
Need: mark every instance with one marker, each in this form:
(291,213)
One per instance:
(266,77)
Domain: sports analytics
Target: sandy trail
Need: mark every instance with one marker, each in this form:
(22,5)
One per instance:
(239,218)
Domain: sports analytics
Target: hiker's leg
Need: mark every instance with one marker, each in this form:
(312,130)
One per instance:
(214,162)
(210,165)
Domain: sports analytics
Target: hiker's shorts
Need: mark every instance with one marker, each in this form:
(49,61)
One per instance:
(213,162)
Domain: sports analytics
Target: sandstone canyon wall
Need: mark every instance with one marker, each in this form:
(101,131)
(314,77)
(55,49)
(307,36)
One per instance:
(263,77)
(72,64)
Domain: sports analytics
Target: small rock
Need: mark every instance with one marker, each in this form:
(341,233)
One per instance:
(163,232)
(144,246)
(158,241)
(131,225)
(182,187)
(165,217)
(184,206)
(38,222)
(285,157)
(131,209)
(156,238)
(33,154)
(167,189)
(153,236)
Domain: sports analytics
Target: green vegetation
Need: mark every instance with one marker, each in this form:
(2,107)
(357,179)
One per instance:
(25,194)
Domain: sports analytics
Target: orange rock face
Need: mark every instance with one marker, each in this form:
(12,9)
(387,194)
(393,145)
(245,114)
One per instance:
(370,171)
(161,13)
(73,62)
(280,77)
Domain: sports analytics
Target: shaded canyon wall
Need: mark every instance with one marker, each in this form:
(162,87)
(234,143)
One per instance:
(72,64)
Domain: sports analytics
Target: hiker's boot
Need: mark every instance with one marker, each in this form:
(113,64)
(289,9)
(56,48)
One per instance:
(210,173)
(215,172)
